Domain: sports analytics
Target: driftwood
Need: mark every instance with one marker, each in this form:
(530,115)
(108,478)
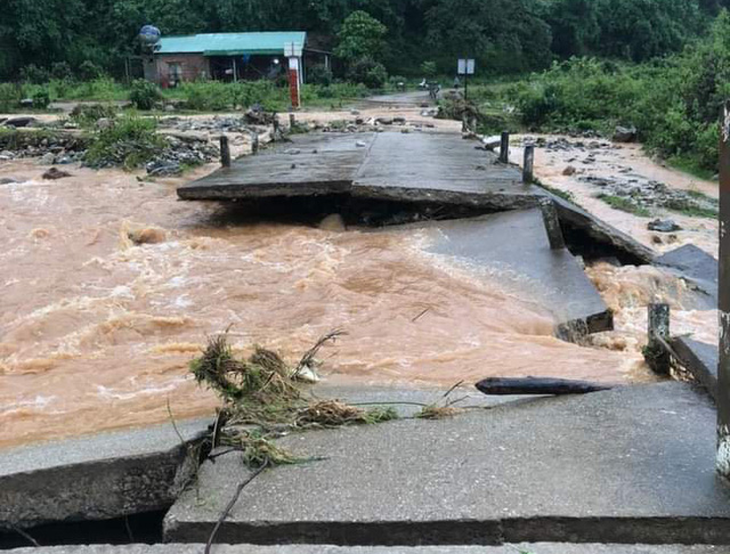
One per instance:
(537,385)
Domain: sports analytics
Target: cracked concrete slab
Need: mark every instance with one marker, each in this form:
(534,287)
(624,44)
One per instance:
(630,465)
(95,477)
(700,359)
(513,247)
(523,548)
(413,167)
(695,266)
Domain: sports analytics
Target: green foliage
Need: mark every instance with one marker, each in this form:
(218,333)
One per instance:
(86,115)
(41,99)
(319,75)
(361,36)
(217,96)
(144,94)
(370,73)
(624,204)
(131,142)
(10,96)
(674,103)
(31,73)
(429,69)
(61,70)
(89,71)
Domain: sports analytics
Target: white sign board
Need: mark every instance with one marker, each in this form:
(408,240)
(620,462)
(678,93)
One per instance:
(466,66)
(293,49)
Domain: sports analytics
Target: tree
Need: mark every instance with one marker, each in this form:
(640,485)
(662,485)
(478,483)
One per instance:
(361,36)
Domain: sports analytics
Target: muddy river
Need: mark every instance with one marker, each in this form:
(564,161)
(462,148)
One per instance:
(97,331)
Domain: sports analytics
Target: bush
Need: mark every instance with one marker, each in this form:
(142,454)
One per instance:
(144,94)
(88,71)
(33,74)
(41,98)
(319,75)
(131,142)
(10,96)
(429,69)
(86,115)
(370,73)
(61,70)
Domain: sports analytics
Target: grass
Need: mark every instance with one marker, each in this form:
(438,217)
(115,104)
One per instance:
(564,194)
(691,166)
(691,209)
(624,204)
(130,142)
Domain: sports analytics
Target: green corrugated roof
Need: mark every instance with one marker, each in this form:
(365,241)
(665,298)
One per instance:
(230,44)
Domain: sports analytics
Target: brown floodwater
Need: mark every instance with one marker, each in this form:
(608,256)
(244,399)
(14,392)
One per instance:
(96,332)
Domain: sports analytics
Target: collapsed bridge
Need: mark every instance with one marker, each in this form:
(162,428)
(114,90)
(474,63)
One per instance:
(477,209)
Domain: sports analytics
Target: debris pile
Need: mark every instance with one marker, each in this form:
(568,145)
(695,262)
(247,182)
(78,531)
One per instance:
(262,396)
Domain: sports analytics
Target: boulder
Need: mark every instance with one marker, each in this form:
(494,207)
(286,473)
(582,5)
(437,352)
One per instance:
(47,159)
(570,170)
(24,121)
(54,174)
(663,226)
(624,134)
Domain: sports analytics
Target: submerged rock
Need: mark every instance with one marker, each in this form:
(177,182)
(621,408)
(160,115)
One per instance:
(570,170)
(333,222)
(54,174)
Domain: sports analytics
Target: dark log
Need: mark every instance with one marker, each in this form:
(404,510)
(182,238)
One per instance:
(537,385)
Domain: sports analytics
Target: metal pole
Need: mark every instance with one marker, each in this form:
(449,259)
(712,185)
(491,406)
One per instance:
(552,224)
(466,86)
(225,152)
(723,385)
(528,164)
(656,355)
(504,148)
(235,70)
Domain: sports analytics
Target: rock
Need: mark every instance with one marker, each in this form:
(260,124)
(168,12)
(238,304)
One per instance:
(570,170)
(54,173)
(163,168)
(292,151)
(663,226)
(149,235)
(624,134)
(8,181)
(26,103)
(25,121)
(6,155)
(354,112)
(490,143)
(170,108)
(104,123)
(384,120)
(332,222)
(49,158)
(360,144)
(399,120)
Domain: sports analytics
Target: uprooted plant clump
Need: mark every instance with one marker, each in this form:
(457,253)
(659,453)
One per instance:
(263,396)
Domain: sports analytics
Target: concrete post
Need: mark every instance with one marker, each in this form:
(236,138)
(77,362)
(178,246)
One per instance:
(528,164)
(275,133)
(552,224)
(504,148)
(723,385)
(225,152)
(254,142)
(656,355)
(292,121)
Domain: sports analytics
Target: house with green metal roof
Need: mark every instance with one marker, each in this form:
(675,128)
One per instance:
(225,56)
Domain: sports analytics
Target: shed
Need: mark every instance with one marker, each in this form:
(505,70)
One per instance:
(223,56)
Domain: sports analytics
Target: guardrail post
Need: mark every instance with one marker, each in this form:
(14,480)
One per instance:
(655,353)
(225,152)
(528,165)
(504,148)
(552,224)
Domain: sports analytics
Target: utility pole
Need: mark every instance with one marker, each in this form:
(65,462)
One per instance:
(723,386)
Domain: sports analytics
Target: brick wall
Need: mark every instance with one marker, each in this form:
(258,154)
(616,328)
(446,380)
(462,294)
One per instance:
(192,66)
